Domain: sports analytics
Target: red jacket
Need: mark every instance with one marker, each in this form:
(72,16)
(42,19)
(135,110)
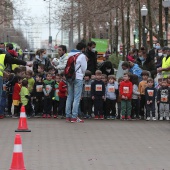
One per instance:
(13,53)
(16,91)
(62,89)
(126,89)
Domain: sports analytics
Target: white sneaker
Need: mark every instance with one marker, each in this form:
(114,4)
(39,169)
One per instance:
(154,118)
(161,118)
(148,118)
(167,118)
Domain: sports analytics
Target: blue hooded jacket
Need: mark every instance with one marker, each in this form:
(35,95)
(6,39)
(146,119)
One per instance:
(137,71)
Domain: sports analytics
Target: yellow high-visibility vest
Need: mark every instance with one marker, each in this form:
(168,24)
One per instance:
(2,66)
(165,64)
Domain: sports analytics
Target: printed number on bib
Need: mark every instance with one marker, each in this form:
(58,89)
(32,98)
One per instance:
(111,89)
(150,93)
(39,88)
(87,87)
(164,98)
(98,87)
(125,89)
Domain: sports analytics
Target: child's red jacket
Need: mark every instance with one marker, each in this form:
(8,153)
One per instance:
(62,89)
(126,89)
(16,91)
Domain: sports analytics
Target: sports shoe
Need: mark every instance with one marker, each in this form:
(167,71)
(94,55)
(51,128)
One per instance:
(15,116)
(148,118)
(44,116)
(112,117)
(167,118)
(129,117)
(108,117)
(161,118)
(55,116)
(68,119)
(101,117)
(48,116)
(74,120)
(154,118)
(96,117)
(1,116)
(123,117)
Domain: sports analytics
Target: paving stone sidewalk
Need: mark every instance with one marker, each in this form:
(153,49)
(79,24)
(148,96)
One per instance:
(93,145)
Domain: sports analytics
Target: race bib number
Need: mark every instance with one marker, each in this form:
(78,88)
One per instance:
(125,89)
(150,93)
(164,98)
(4,87)
(111,89)
(87,87)
(56,92)
(48,88)
(98,87)
(39,88)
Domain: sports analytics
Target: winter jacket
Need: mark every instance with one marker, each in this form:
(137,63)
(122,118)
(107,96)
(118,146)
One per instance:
(61,63)
(126,89)
(111,91)
(62,89)
(136,70)
(86,91)
(148,65)
(81,64)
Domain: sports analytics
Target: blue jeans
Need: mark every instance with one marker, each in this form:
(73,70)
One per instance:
(73,98)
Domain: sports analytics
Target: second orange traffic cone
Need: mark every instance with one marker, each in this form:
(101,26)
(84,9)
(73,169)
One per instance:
(22,126)
(17,158)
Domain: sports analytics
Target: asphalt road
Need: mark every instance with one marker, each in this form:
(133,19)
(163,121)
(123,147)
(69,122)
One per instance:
(93,145)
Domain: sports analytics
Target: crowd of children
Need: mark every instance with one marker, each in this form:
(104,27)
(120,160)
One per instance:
(103,97)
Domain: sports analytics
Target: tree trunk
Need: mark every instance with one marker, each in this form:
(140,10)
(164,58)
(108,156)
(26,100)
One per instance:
(150,24)
(161,41)
(123,30)
(140,25)
(128,26)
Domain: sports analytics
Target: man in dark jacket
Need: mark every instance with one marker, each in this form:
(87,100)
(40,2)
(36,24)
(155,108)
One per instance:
(146,63)
(92,57)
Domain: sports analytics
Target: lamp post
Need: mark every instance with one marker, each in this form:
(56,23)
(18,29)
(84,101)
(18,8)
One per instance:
(134,37)
(144,12)
(166,5)
(116,35)
(50,37)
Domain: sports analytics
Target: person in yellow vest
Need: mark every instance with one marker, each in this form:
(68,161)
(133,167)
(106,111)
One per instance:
(165,69)
(4,60)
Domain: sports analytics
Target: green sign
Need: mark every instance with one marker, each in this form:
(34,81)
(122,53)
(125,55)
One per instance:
(101,44)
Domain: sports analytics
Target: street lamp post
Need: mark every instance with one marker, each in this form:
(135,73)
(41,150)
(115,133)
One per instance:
(116,35)
(50,37)
(166,5)
(144,12)
(134,37)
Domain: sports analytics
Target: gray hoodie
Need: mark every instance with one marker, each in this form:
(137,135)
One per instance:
(111,91)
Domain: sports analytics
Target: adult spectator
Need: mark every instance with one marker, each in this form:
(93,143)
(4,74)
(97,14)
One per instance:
(7,59)
(2,48)
(75,87)
(145,62)
(61,63)
(107,68)
(133,68)
(158,58)
(165,68)
(153,52)
(91,54)
(41,58)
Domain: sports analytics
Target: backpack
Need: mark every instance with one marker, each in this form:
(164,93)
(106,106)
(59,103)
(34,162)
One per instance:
(69,71)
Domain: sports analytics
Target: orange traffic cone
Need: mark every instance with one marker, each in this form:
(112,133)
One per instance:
(17,158)
(22,126)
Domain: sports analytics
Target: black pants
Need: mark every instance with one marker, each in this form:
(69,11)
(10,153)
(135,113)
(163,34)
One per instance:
(135,108)
(55,107)
(150,108)
(28,108)
(38,105)
(110,106)
(9,103)
(47,105)
(62,106)
(142,105)
(98,106)
(87,105)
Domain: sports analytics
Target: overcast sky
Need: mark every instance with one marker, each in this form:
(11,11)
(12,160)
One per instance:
(38,10)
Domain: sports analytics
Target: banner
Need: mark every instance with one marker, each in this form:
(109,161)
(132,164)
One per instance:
(101,44)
